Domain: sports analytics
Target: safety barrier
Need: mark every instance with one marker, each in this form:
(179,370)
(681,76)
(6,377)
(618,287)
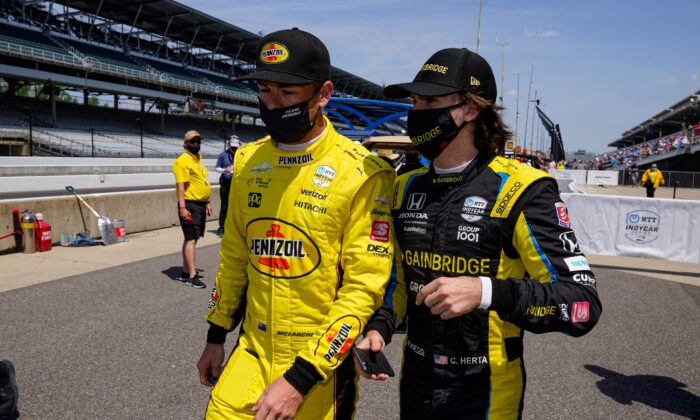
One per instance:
(636,227)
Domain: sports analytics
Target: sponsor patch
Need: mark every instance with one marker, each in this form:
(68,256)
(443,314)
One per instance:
(474,208)
(578,263)
(259,182)
(562,215)
(274,53)
(468,233)
(379,250)
(309,206)
(314,194)
(584,279)
(338,339)
(447,263)
(254,199)
(295,160)
(415,229)
(416,201)
(324,176)
(281,250)
(579,312)
(262,327)
(262,168)
(540,311)
(569,242)
(642,226)
(414,287)
(380,231)
(213,298)
(382,200)
(416,349)
(501,207)
(564,311)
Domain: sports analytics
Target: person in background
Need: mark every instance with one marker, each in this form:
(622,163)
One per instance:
(307,251)
(224,166)
(634,175)
(193,193)
(651,179)
(484,248)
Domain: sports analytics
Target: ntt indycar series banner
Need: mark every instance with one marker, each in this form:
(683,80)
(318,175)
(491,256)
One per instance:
(636,227)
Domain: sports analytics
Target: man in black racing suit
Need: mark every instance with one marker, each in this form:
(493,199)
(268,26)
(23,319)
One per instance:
(485,250)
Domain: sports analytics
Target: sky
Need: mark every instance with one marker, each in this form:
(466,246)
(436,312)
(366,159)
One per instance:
(600,67)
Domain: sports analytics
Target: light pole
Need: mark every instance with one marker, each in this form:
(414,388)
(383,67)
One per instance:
(478,26)
(527,108)
(532,132)
(502,45)
(517,110)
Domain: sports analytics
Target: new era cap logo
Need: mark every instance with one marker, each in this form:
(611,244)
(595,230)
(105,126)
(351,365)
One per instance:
(474,81)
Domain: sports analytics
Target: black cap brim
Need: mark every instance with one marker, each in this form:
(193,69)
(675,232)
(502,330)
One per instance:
(403,90)
(275,76)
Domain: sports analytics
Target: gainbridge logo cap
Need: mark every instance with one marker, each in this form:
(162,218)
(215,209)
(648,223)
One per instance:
(291,56)
(448,71)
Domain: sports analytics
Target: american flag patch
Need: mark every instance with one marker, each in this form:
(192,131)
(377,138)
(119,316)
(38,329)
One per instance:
(440,359)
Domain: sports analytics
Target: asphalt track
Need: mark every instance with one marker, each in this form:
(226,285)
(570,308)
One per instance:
(122,343)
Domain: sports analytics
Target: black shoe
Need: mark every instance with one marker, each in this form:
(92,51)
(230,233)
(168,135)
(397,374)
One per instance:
(195,282)
(184,276)
(8,391)
(220,232)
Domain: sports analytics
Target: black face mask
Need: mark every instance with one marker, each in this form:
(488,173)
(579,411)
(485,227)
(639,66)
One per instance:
(431,130)
(193,149)
(288,124)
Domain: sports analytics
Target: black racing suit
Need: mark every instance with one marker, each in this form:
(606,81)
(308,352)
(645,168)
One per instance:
(497,219)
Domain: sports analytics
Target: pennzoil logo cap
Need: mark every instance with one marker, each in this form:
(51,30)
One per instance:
(448,71)
(291,56)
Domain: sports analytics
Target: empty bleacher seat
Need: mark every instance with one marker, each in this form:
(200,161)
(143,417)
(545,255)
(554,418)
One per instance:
(105,55)
(28,38)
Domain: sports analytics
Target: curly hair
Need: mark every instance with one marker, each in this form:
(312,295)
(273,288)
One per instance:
(490,132)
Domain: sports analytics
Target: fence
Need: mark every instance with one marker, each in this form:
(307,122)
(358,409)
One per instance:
(683,179)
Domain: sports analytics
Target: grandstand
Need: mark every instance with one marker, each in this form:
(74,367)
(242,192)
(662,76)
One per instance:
(671,139)
(127,79)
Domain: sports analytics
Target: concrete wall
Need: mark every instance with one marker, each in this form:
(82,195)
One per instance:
(141,211)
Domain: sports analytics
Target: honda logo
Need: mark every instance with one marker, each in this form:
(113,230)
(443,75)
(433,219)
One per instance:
(569,243)
(416,201)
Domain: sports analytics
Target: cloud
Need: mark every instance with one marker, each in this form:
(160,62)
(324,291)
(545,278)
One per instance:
(512,92)
(694,76)
(546,34)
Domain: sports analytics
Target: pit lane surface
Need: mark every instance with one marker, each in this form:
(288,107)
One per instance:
(122,343)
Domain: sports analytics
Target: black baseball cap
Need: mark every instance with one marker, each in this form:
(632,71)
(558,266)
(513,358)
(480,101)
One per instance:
(291,56)
(448,71)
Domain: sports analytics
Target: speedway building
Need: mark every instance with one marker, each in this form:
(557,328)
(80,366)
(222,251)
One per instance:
(127,78)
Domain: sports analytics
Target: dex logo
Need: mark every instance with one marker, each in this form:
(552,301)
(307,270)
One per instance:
(416,201)
(254,199)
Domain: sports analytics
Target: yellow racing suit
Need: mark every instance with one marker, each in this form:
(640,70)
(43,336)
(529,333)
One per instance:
(308,245)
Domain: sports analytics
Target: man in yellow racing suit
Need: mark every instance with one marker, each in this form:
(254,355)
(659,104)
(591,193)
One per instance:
(307,250)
